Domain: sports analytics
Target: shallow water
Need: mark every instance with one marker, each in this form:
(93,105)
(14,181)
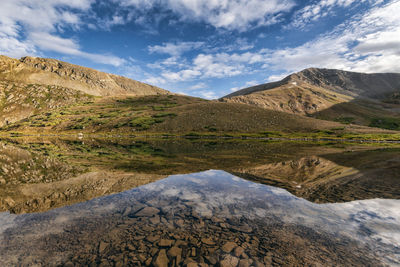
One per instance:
(203,211)
(72,203)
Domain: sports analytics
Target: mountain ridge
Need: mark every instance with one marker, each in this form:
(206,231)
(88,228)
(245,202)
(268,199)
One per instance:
(314,75)
(45,71)
(330,94)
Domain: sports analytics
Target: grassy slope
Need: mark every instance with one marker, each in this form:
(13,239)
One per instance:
(362,99)
(364,112)
(175,115)
(18,100)
(293,96)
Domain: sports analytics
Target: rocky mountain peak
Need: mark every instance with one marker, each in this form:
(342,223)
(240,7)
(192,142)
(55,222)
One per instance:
(45,71)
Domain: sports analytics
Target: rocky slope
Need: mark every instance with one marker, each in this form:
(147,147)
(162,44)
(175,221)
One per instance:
(312,91)
(33,70)
(31,86)
(20,100)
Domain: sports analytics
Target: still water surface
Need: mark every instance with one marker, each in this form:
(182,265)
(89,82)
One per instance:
(211,217)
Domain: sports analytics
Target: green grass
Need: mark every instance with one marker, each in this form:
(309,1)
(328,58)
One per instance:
(386,123)
(144,123)
(345,120)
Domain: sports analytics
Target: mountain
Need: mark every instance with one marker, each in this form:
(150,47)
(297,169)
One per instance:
(44,71)
(33,85)
(176,115)
(49,96)
(343,96)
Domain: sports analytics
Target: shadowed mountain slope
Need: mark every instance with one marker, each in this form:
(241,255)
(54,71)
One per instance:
(313,91)
(35,85)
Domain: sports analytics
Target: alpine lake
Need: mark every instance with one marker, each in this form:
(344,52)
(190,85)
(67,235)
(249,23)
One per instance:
(68,201)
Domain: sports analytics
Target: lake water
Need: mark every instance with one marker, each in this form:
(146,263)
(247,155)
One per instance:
(265,204)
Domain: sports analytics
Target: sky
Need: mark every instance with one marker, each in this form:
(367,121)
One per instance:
(206,48)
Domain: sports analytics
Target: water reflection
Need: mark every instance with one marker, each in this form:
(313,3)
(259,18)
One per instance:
(38,175)
(208,218)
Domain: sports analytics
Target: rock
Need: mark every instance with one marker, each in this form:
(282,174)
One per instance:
(139,237)
(188,261)
(69,264)
(147,212)
(242,228)
(211,260)
(103,245)
(258,264)
(126,211)
(165,243)
(162,259)
(229,261)
(194,252)
(153,238)
(130,247)
(179,223)
(179,243)
(238,251)
(153,251)
(104,263)
(228,247)
(216,220)
(268,259)
(192,264)
(142,257)
(195,215)
(148,262)
(155,220)
(175,252)
(208,241)
(245,262)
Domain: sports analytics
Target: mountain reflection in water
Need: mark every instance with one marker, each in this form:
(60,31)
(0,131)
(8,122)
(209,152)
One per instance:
(209,218)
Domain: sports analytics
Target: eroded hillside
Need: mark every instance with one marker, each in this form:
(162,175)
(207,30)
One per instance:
(34,70)
(322,93)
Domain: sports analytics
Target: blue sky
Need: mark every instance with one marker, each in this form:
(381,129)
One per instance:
(206,48)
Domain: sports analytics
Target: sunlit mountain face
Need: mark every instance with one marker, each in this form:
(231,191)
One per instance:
(203,48)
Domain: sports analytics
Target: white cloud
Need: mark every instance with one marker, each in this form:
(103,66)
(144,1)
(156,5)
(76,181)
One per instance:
(175,49)
(323,8)
(13,47)
(27,26)
(367,43)
(198,86)
(208,94)
(247,84)
(228,14)
(274,78)
(208,66)
(158,81)
(218,65)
